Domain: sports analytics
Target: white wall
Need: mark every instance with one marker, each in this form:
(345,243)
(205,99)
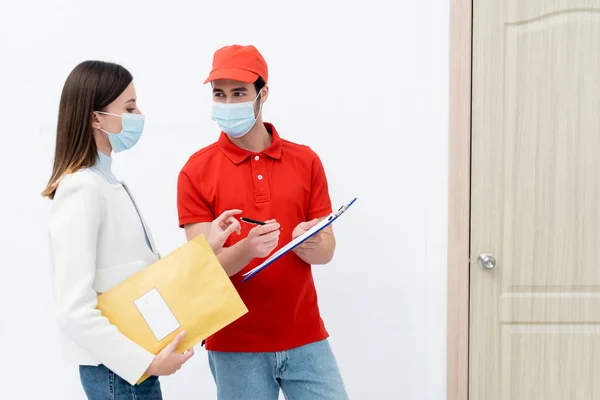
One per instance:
(364,85)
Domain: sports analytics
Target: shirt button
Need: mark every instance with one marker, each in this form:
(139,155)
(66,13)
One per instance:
(260,177)
(257,158)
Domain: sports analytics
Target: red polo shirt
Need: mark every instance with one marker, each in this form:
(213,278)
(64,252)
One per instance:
(286,181)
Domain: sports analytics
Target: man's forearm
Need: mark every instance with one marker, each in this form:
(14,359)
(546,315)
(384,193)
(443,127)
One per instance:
(234,258)
(322,254)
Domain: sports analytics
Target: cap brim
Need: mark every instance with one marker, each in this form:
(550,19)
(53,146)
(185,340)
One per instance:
(234,74)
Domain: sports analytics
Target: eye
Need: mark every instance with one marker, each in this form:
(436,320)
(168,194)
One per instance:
(130,110)
(239,94)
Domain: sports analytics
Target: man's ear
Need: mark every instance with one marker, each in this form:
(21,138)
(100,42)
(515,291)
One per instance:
(264,93)
(96,121)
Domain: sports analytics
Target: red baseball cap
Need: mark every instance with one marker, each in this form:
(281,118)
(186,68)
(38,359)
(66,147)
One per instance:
(239,63)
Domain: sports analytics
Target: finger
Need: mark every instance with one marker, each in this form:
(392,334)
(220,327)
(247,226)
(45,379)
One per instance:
(229,221)
(272,242)
(312,240)
(300,252)
(304,226)
(307,246)
(238,226)
(225,223)
(187,355)
(177,340)
(269,239)
(270,236)
(264,229)
(308,224)
(226,214)
(272,227)
(232,228)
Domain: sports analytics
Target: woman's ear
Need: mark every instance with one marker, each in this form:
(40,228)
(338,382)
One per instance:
(96,121)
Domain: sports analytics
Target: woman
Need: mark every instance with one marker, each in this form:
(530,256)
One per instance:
(98,238)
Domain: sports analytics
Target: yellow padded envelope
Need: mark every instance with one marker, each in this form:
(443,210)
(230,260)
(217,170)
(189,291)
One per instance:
(186,290)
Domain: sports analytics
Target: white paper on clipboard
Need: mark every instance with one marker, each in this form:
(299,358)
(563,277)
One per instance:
(298,240)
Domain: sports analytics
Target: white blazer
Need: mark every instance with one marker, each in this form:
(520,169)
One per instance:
(96,241)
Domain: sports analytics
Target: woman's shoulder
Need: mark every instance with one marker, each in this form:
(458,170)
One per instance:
(82,181)
(78,197)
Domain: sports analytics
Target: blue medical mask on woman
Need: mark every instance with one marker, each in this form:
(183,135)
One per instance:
(235,119)
(132,127)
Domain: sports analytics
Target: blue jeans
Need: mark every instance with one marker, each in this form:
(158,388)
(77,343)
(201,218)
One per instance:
(100,383)
(305,373)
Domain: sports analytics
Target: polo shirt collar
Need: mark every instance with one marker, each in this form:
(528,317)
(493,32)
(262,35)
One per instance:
(238,155)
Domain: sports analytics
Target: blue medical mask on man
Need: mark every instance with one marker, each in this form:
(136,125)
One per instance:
(235,119)
(132,126)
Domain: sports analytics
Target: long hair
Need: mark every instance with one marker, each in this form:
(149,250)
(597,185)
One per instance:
(90,87)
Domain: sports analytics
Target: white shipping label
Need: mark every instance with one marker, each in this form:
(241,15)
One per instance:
(157,314)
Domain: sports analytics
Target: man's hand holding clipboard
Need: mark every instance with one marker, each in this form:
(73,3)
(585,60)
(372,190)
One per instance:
(295,243)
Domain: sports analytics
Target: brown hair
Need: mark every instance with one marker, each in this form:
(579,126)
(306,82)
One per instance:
(91,86)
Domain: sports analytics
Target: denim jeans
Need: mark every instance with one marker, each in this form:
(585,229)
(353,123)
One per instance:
(100,383)
(305,373)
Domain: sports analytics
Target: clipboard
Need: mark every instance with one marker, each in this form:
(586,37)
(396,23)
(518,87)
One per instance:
(324,223)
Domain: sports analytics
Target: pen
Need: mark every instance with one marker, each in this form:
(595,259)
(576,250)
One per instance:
(253,221)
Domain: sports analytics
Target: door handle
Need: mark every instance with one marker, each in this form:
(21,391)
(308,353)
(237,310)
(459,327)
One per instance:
(486,261)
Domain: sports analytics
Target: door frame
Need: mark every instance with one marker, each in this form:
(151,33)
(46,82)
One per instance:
(459,177)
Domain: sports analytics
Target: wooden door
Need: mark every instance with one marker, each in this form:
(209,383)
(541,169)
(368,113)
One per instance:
(535,189)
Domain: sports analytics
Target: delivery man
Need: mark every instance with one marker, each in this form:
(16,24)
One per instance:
(282,342)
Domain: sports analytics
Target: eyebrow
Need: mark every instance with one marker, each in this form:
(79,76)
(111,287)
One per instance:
(239,89)
(130,101)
